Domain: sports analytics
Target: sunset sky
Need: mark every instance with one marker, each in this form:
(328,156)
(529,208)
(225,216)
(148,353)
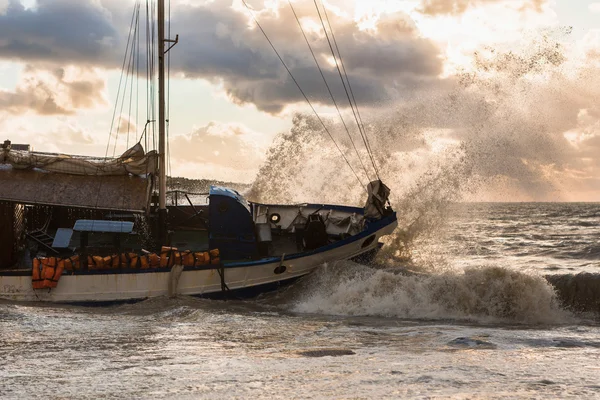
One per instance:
(502,94)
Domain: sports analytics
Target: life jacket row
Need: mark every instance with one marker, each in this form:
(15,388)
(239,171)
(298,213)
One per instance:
(47,271)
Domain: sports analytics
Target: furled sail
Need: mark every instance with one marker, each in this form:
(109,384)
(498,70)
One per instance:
(134,161)
(122,183)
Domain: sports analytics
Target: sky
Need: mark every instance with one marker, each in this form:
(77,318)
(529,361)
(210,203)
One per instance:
(485,100)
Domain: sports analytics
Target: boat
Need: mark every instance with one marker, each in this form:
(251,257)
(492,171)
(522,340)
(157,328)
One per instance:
(84,230)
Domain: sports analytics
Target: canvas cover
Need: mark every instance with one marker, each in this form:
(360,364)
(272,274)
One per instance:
(124,192)
(378,195)
(121,183)
(134,161)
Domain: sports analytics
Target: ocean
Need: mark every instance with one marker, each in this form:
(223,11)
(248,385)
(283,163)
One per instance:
(464,310)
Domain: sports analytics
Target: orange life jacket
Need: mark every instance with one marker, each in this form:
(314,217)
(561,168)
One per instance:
(153,260)
(215,257)
(36,276)
(52,269)
(188,259)
(202,258)
(72,263)
(144,262)
(167,256)
(134,260)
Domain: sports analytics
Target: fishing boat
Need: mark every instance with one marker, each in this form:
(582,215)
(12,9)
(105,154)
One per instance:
(88,230)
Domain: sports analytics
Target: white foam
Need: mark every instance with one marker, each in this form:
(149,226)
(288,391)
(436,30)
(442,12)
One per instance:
(482,294)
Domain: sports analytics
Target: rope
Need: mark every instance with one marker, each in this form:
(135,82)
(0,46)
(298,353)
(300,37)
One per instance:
(152,68)
(125,57)
(137,74)
(329,89)
(169,96)
(132,63)
(148,50)
(120,81)
(344,83)
(364,131)
(129,67)
(302,92)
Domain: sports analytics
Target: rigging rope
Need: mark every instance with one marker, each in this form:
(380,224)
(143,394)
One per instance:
(359,124)
(329,90)
(132,63)
(148,50)
(129,68)
(302,92)
(169,96)
(120,81)
(137,74)
(362,125)
(153,76)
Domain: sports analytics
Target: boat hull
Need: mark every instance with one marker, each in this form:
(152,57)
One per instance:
(105,286)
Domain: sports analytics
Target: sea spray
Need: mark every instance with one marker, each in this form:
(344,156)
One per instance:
(483,294)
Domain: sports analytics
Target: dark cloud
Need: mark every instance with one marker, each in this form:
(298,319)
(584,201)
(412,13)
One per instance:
(60,31)
(218,43)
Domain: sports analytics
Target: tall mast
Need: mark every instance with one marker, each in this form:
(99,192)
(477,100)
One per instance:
(162,150)
(162,156)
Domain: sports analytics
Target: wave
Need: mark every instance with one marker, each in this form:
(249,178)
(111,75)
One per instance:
(483,294)
(578,292)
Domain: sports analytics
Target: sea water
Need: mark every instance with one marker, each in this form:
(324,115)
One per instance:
(469,314)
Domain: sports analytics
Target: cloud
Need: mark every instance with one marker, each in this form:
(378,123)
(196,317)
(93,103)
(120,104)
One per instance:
(60,31)
(61,134)
(594,7)
(457,7)
(55,90)
(232,148)
(69,132)
(220,44)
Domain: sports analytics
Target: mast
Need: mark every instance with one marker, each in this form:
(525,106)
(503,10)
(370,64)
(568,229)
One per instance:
(162,151)
(162,156)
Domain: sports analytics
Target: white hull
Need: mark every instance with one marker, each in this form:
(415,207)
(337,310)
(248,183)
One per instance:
(119,286)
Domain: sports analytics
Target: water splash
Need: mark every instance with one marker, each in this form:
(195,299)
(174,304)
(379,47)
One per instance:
(484,294)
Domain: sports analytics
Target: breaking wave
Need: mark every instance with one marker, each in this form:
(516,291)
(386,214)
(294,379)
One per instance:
(578,292)
(483,294)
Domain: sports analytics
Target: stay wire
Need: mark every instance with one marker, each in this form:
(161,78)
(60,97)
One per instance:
(329,90)
(339,72)
(169,96)
(129,72)
(119,87)
(132,61)
(153,61)
(361,125)
(102,178)
(147,75)
(302,91)
(137,74)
